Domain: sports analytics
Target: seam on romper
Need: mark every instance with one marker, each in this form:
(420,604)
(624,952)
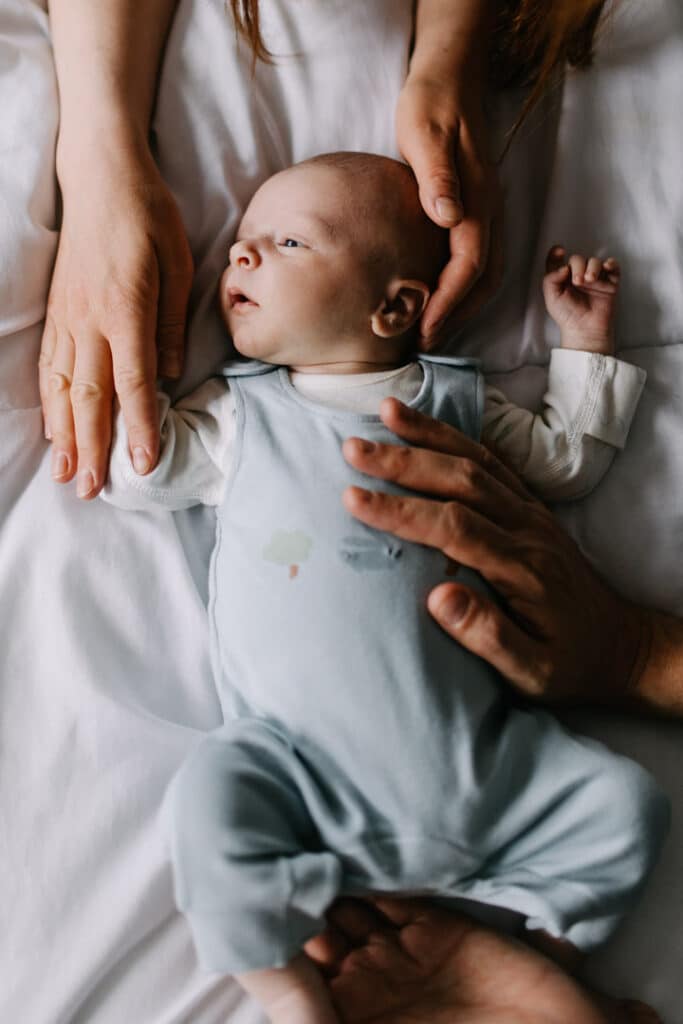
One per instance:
(577,427)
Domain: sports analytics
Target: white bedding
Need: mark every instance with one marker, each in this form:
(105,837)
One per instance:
(105,675)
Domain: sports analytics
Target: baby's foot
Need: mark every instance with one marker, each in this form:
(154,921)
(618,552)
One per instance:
(295,994)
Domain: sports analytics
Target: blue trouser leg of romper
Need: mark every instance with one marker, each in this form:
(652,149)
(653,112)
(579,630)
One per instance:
(250,874)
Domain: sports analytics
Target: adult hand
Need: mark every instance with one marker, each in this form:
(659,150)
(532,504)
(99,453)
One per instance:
(560,632)
(407,962)
(442,133)
(119,290)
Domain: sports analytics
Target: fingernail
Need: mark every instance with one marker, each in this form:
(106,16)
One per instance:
(453,608)
(85,483)
(60,465)
(448,209)
(48,433)
(141,461)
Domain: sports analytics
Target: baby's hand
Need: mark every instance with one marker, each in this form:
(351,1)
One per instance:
(580,295)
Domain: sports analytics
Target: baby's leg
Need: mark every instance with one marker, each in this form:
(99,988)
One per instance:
(249,871)
(576,843)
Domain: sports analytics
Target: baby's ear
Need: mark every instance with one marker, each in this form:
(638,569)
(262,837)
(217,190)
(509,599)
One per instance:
(400,309)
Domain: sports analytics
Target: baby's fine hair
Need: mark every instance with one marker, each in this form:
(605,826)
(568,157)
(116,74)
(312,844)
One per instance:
(387,190)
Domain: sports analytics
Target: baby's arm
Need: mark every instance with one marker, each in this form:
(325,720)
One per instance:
(565,450)
(196,439)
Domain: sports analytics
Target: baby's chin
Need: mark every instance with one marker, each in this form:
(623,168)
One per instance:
(250,347)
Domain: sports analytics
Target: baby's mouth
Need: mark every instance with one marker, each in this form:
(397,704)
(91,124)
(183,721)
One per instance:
(238,301)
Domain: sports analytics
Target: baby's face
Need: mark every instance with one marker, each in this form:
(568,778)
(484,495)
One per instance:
(300,286)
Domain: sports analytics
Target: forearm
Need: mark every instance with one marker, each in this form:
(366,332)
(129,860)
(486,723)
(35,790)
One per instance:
(453,39)
(107,57)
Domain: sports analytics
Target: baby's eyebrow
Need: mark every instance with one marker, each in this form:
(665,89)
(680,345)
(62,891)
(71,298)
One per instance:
(328,227)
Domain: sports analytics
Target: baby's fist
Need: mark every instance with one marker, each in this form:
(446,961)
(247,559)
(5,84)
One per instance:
(580,296)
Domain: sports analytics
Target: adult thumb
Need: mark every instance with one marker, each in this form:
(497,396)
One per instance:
(432,158)
(485,630)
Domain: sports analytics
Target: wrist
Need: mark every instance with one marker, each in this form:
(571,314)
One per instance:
(108,142)
(601,342)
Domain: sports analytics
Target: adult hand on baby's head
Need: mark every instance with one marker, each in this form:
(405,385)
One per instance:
(119,290)
(562,633)
(442,135)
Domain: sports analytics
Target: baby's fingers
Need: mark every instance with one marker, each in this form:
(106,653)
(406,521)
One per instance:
(577,264)
(611,270)
(556,259)
(593,268)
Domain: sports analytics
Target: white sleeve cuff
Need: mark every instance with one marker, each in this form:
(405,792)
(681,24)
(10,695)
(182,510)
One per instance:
(598,394)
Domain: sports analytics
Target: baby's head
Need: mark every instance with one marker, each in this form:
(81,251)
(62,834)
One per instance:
(333,265)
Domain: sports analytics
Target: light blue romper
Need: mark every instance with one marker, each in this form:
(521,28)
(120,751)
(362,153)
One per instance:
(363,749)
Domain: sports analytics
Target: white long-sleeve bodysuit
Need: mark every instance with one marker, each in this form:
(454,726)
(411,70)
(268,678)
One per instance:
(561,452)
(363,750)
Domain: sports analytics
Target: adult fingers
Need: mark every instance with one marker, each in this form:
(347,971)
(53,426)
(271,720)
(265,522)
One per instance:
(175,281)
(434,473)
(48,344)
(354,920)
(462,534)
(484,287)
(59,414)
(426,432)
(469,244)
(134,368)
(427,136)
(92,392)
(480,626)
(402,912)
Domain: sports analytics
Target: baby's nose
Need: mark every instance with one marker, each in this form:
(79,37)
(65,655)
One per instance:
(244,254)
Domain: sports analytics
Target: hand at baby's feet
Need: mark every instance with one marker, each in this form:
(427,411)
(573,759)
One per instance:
(408,962)
(580,295)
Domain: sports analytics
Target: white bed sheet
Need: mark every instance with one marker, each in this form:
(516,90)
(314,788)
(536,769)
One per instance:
(104,667)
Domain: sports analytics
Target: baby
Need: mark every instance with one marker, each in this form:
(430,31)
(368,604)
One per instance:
(363,750)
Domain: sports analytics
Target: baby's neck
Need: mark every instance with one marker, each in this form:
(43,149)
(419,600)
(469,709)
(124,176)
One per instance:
(351,366)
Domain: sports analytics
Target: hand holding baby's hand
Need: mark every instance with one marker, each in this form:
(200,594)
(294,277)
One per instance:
(580,295)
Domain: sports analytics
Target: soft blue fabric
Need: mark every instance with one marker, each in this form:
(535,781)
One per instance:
(363,749)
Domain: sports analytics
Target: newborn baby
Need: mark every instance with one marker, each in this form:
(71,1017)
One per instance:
(363,750)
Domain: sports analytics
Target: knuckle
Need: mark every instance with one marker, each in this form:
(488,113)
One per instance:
(474,261)
(87,392)
(455,519)
(471,475)
(400,458)
(130,380)
(58,383)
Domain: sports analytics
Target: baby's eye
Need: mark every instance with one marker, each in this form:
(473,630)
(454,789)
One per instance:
(289,243)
